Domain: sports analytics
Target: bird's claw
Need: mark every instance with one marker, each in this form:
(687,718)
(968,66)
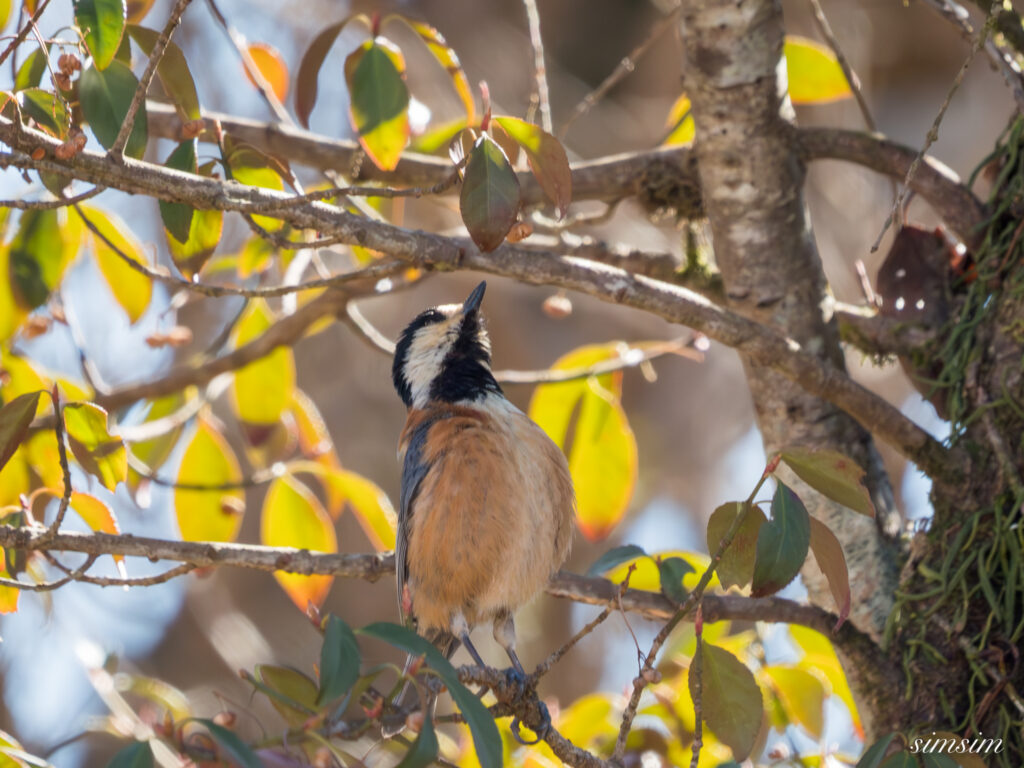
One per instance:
(518,679)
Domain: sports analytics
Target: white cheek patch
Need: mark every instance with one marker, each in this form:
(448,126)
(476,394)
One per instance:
(426,355)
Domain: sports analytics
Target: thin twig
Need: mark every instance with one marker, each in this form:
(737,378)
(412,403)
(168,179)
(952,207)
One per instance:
(556,656)
(362,191)
(62,455)
(624,67)
(695,677)
(117,149)
(851,77)
(541,97)
(933,132)
(23,33)
(48,205)
(49,586)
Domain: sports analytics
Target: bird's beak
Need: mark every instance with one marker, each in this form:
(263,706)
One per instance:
(472,304)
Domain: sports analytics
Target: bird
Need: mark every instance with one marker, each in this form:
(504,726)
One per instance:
(487,506)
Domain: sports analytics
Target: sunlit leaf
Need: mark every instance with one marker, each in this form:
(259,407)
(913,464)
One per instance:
(802,695)
(137,10)
(96,514)
(96,450)
(647,574)
(481,723)
(8,595)
(262,390)
(547,159)
(173,71)
(736,567)
(203,237)
(782,543)
(293,517)
(682,129)
(48,110)
(272,67)
(253,168)
(255,257)
(828,553)
(105,97)
(14,478)
(613,557)
(154,452)
(369,504)
(102,21)
(379,100)
(435,140)
(730,700)
(831,473)
(815,76)
(489,201)
(177,217)
(339,661)
(448,59)
(135,755)
(309,68)
(297,692)
(820,656)
(15,418)
(39,255)
(12,314)
(132,289)
(208,515)
(6,6)
(30,72)
(672,571)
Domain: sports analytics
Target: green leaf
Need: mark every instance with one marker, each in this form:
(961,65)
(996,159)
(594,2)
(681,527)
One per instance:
(132,289)
(293,517)
(292,694)
(177,217)
(135,755)
(486,739)
(339,661)
(379,100)
(832,474)
(102,21)
(872,757)
(547,159)
(937,760)
(48,110)
(423,751)
(736,567)
(262,390)
(231,747)
(828,553)
(815,76)
(208,515)
(782,543)
(730,699)
(15,418)
(901,760)
(173,71)
(672,570)
(613,557)
(105,97)
(309,68)
(30,73)
(39,255)
(99,453)
(489,201)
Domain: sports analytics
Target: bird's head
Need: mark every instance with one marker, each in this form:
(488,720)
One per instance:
(444,355)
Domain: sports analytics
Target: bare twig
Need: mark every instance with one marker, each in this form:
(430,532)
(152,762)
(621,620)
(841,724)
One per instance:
(47,205)
(62,455)
(541,97)
(851,77)
(117,149)
(24,31)
(696,678)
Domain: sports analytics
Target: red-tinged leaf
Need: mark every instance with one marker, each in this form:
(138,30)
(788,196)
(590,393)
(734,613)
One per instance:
(736,567)
(271,66)
(802,695)
(132,289)
(815,76)
(379,100)
(447,58)
(177,217)
(15,418)
(832,474)
(309,68)
(105,97)
(98,452)
(173,71)
(730,700)
(262,390)
(209,515)
(137,10)
(292,517)
(547,159)
(828,553)
(782,543)
(489,202)
(102,21)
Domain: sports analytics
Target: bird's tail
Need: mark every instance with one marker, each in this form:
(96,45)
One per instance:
(409,699)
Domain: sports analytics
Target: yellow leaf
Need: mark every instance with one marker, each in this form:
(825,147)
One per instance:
(132,289)
(21,377)
(815,76)
(8,595)
(801,693)
(209,515)
(819,655)
(155,451)
(263,389)
(203,236)
(270,63)
(12,314)
(646,575)
(260,176)
(44,458)
(14,479)
(680,125)
(96,515)
(292,517)
(96,450)
(379,100)
(370,504)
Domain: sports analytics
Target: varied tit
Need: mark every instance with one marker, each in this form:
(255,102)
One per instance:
(487,503)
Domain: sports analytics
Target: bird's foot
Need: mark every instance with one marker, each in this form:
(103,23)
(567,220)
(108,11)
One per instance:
(520,681)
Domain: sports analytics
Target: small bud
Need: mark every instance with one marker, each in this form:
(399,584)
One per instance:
(520,231)
(651,676)
(57,313)
(416,665)
(36,325)
(62,80)
(38,153)
(313,614)
(179,336)
(225,719)
(79,140)
(414,721)
(66,151)
(68,63)
(229,505)
(192,128)
(557,306)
